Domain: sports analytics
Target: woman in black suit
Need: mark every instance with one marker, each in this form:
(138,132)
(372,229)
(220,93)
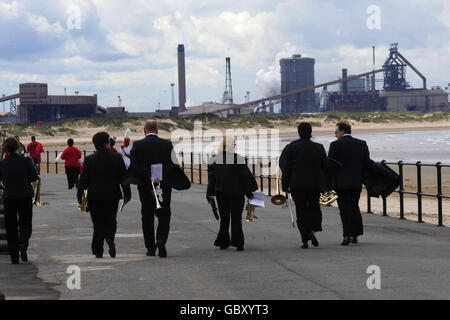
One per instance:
(17,173)
(102,174)
(229,179)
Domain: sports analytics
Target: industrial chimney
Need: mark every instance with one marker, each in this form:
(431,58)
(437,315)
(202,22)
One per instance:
(181,79)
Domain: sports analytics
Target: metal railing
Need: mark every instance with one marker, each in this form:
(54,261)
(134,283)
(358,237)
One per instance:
(197,172)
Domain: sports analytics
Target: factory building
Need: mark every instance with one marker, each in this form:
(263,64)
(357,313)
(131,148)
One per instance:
(416,100)
(297,73)
(36,105)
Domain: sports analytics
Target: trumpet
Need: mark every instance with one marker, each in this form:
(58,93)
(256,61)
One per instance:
(158,195)
(327,198)
(278,199)
(83,207)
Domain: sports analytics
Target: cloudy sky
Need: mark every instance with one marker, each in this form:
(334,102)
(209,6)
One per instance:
(129,47)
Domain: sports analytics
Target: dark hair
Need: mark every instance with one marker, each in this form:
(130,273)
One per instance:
(304,130)
(70,142)
(112,142)
(344,126)
(11,145)
(33,138)
(100,139)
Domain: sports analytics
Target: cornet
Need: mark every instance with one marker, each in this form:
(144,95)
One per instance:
(250,212)
(83,207)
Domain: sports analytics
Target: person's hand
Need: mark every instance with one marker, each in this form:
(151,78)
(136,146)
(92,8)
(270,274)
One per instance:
(156,181)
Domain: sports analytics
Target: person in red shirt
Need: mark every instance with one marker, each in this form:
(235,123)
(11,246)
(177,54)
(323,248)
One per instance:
(72,157)
(35,149)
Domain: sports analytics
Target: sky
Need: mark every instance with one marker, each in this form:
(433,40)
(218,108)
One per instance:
(129,48)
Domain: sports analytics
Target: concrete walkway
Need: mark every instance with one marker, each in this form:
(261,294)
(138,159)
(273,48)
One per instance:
(413,258)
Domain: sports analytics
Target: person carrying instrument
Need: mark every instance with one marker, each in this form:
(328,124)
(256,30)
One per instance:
(153,150)
(17,173)
(72,157)
(102,174)
(229,179)
(125,151)
(303,164)
(353,154)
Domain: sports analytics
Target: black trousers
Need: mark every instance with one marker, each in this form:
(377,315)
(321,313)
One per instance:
(126,188)
(230,209)
(18,224)
(103,215)
(72,176)
(309,215)
(351,218)
(149,212)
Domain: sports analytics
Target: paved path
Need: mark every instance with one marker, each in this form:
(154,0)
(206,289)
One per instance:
(414,258)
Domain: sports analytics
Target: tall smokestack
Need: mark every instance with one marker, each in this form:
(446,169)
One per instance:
(181,79)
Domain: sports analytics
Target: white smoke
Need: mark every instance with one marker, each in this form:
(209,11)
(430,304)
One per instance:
(268,80)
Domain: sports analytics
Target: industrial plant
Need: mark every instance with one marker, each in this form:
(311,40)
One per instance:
(355,93)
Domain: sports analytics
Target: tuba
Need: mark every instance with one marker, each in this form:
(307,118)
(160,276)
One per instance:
(83,207)
(278,199)
(327,198)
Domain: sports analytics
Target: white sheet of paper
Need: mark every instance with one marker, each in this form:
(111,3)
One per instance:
(258,199)
(157,172)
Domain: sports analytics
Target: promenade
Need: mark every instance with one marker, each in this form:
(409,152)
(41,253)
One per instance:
(413,257)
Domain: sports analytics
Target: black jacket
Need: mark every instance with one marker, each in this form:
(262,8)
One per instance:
(102,174)
(17,173)
(303,164)
(154,150)
(380,180)
(228,174)
(353,154)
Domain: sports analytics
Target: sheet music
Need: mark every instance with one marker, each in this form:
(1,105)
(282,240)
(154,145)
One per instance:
(258,199)
(157,172)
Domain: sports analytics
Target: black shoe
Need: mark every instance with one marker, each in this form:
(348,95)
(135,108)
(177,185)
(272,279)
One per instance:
(23,253)
(112,248)
(305,245)
(355,240)
(151,253)
(15,260)
(223,247)
(162,252)
(346,241)
(240,248)
(99,255)
(314,241)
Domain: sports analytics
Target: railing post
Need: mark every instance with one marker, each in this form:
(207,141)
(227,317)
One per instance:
(439,193)
(369,203)
(200,168)
(402,207)
(192,167)
(384,198)
(261,175)
(56,162)
(419,191)
(269,178)
(48,161)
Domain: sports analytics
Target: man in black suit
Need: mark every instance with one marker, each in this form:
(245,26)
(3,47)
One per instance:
(150,151)
(303,164)
(102,174)
(17,173)
(353,154)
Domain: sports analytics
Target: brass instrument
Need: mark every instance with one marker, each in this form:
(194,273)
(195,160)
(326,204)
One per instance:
(250,212)
(278,199)
(83,207)
(158,195)
(327,198)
